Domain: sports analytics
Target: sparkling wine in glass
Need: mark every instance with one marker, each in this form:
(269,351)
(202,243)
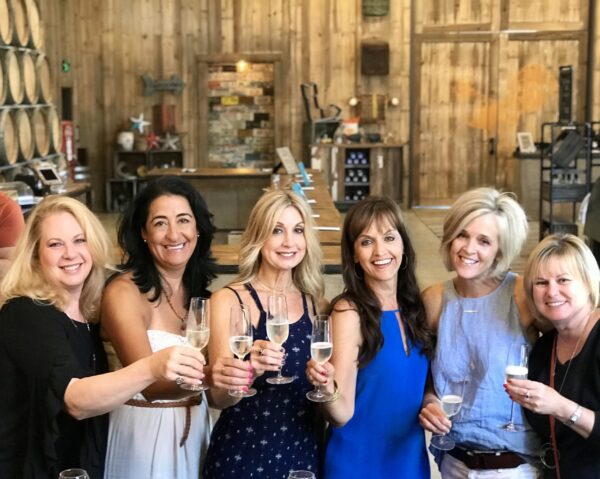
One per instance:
(321,347)
(452,398)
(74,473)
(516,369)
(240,340)
(197,332)
(278,330)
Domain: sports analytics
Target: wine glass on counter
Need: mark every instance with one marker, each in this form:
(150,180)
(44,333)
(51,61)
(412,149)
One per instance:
(321,348)
(278,330)
(516,368)
(197,332)
(240,340)
(452,398)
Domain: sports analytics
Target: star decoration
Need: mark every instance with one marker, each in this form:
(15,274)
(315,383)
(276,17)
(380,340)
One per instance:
(169,142)
(139,123)
(153,141)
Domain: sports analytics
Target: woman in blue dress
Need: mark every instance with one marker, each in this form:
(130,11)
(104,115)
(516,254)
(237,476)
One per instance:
(276,430)
(379,366)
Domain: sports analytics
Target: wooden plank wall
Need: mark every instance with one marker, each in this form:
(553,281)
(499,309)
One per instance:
(111,43)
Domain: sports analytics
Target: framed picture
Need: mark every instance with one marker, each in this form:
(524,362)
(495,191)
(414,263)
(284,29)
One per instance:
(526,144)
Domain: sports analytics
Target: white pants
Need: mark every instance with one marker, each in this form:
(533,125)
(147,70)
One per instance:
(452,468)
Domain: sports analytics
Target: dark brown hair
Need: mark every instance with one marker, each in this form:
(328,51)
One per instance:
(358,294)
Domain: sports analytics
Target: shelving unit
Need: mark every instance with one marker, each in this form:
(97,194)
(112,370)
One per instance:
(356,170)
(565,175)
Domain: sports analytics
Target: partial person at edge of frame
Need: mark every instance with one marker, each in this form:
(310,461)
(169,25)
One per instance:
(381,344)
(481,319)
(55,393)
(165,235)
(561,284)
(279,254)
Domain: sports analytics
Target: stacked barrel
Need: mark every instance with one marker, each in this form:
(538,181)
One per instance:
(29,122)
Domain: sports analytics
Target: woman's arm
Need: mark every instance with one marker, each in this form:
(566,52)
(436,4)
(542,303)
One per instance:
(95,395)
(124,321)
(343,365)
(431,417)
(224,371)
(542,399)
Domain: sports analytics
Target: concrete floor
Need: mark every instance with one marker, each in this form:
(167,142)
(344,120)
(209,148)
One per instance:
(425,228)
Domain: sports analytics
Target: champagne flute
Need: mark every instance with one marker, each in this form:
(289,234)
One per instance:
(321,347)
(240,340)
(278,330)
(516,369)
(73,474)
(197,332)
(452,398)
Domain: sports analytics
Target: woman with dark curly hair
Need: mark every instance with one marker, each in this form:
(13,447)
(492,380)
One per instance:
(381,344)
(165,235)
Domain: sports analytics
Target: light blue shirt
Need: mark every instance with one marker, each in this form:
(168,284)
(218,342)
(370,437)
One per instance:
(477,339)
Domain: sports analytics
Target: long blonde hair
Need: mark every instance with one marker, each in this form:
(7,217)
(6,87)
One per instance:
(307,276)
(25,277)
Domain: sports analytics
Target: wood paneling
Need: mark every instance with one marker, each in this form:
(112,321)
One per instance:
(110,44)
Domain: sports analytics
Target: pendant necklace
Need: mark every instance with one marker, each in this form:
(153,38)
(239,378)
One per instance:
(180,317)
(269,288)
(89,335)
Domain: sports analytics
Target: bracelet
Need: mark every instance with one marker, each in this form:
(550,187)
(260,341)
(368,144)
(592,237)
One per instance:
(335,395)
(573,418)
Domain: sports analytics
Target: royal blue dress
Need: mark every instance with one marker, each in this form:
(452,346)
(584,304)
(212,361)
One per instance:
(277,430)
(384,438)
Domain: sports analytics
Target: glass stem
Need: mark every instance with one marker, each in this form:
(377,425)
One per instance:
(512,411)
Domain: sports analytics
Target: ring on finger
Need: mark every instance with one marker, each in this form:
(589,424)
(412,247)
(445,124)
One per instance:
(179,380)
(527,395)
(261,351)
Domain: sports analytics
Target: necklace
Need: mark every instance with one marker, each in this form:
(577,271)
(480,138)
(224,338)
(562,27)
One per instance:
(270,288)
(89,337)
(181,318)
(555,354)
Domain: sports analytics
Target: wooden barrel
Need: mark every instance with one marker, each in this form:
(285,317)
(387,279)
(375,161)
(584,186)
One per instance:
(12,74)
(9,148)
(20,26)
(28,77)
(24,134)
(3,86)
(54,129)
(36,37)
(44,79)
(6,26)
(41,130)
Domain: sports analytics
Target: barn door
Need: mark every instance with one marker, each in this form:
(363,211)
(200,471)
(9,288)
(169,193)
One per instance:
(481,72)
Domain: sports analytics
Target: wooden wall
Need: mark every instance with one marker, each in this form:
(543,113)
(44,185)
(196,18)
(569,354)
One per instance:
(111,43)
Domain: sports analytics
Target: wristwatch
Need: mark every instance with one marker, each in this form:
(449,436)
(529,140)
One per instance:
(573,418)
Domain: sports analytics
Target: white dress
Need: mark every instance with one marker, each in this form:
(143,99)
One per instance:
(143,443)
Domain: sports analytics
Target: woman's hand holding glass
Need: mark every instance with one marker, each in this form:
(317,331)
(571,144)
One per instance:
(321,349)
(451,402)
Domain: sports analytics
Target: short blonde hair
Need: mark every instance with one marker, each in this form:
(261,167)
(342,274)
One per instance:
(25,278)
(574,254)
(510,218)
(307,276)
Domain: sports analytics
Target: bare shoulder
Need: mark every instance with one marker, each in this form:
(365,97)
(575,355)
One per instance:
(432,297)
(225,294)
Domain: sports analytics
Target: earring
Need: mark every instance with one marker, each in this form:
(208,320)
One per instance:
(145,241)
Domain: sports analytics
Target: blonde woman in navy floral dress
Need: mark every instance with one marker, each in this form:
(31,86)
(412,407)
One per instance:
(277,430)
